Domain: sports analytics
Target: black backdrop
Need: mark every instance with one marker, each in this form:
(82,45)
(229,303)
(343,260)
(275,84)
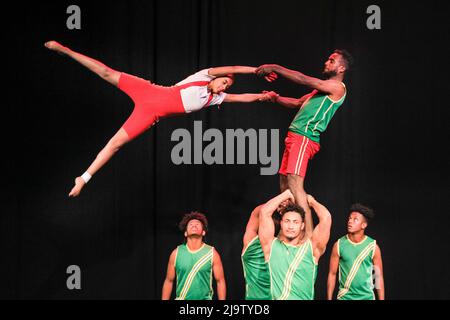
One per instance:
(385,147)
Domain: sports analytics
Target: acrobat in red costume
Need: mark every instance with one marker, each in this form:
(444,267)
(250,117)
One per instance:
(152,102)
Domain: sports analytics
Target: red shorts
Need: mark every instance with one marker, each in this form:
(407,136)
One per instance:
(299,150)
(150,103)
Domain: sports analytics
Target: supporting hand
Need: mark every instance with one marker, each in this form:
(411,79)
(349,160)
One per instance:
(266,70)
(273,95)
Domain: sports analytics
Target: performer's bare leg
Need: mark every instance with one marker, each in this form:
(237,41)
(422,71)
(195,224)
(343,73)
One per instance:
(114,145)
(295,184)
(120,138)
(283,183)
(105,72)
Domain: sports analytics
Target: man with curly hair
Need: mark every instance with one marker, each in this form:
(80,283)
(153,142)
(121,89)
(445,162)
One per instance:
(194,264)
(358,258)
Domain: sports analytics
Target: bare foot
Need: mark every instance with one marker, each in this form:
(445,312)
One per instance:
(79,184)
(55,46)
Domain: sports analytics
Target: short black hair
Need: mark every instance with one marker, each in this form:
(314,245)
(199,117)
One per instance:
(194,215)
(347,57)
(367,212)
(276,222)
(293,207)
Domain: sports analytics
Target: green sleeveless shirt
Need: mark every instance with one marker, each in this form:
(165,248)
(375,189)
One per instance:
(293,271)
(355,269)
(256,272)
(194,273)
(314,116)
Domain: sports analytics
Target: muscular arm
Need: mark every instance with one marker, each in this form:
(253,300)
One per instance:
(331,87)
(334,265)
(266,226)
(292,102)
(170,277)
(219,276)
(379,277)
(251,230)
(321,233)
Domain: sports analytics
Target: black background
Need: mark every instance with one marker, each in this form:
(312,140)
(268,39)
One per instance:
(386,146)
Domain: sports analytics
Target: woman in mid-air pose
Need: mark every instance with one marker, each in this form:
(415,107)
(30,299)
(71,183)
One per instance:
(152,102)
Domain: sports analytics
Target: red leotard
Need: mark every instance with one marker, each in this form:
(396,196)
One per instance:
(151,102)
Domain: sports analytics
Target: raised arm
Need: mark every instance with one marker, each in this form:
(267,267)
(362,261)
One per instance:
(334,265)
(251,231)
(321,233)
(266,226)
(331,87)
(170,277)
(219,276)
(379,277)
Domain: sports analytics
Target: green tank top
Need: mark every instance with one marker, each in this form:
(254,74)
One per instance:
(194,273)
(256,272)
(293,271)
(355,269)
(314,116)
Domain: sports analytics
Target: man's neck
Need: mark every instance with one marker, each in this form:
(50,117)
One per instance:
(338,77)
(194,243)
(356,237)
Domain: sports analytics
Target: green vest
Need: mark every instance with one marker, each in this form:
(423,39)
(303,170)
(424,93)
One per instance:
(256,273)
(194,273)
(355,269)
(293,271)
(314,116)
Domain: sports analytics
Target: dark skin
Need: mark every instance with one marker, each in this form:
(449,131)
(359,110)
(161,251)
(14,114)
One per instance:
(334,70)
(356,226)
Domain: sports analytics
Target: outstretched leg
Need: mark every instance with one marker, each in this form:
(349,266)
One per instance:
(116,142)
(119,139)
(105,72)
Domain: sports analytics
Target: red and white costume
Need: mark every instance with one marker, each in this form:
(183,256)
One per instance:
(151,102)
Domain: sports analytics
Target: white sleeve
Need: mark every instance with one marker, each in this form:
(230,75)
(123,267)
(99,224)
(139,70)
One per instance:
(217,99)
(203,75)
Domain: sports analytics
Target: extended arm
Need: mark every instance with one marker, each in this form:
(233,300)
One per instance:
(334,265)
(266,226)
(223,71)
(292,102)
(170,277)
(321,233)
(247,97)
(330,87)
(219,276)
(379,277)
